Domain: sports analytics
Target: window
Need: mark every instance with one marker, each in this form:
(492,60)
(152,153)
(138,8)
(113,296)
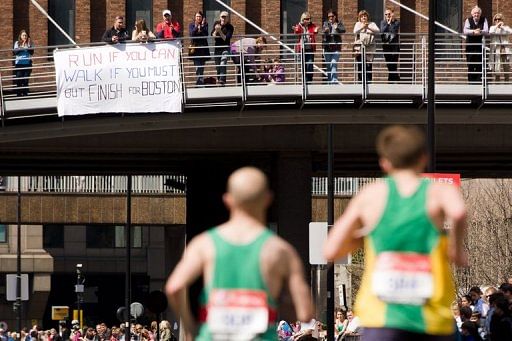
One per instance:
(108,236)
(375,8)
(3,233)
(63,12)
(291,11)
(211,10)
(53,236)
(139,9)
(449,13)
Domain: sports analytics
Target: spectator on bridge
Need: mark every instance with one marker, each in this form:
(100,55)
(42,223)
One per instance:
(198,48)
(500,48)
(169,28)
(23,51)
(116,34)
(475,28)
(222,32)
(306,31)
(390,29)
(141,33)
(332,29)
(365,31)
(249,48)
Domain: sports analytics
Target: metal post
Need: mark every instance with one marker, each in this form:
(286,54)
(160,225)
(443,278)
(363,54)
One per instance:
(128,239)
(330,222)
(431,136)
(18,262)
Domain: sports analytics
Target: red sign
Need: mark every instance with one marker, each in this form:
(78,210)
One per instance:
(447,178)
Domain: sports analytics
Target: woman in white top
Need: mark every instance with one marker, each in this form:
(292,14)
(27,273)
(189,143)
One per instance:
(500,48)
(141,32)
(365,31)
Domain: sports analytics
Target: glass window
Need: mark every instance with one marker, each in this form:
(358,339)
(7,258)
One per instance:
(53,236)
(374,7)
(3,233)
(108,236)
(291,11)
(449,13)
(63,12)
(138,9)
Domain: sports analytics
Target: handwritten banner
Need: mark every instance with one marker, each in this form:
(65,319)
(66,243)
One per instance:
(131,78)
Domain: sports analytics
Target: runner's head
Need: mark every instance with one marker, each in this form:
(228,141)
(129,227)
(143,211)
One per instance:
(401,147)
(247,190)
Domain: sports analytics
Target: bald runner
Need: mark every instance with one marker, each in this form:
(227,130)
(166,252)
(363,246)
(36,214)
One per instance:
(245,268)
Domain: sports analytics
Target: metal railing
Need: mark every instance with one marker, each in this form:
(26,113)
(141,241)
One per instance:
(141,184)
(342,186)
(148,184)
(250,75)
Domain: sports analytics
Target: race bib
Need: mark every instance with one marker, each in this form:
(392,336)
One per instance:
(237,311)
(404,278)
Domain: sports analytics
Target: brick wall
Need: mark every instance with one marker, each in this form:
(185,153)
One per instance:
(189,10)
(236,21)
(97,19)
(83,24)
(38,25)
(7,39)
(113,9)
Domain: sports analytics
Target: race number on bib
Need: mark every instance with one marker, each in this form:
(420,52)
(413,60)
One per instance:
(237,311)
(404,278)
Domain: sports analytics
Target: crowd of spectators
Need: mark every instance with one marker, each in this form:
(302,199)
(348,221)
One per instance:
(366,31)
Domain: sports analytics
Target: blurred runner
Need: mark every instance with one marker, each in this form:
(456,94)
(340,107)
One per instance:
(245,268)
(407,286)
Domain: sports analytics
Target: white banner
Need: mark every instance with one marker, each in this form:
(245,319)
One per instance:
(123,78)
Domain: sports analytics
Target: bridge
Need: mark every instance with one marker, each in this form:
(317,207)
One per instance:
(253,118)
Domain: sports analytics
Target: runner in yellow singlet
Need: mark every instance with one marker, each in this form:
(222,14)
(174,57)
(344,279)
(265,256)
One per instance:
(407,285)
(245,268)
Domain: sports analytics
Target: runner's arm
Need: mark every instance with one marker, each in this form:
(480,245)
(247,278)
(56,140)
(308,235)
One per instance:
(342,238)
(455,211)
(188,269)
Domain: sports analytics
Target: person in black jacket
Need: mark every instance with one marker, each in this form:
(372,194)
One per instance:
(389,28)
(332,29)
(117,33)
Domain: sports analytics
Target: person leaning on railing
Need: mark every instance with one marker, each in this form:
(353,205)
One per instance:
(117,33)
(500,48)
(475,27)
(141,33)
(23,51)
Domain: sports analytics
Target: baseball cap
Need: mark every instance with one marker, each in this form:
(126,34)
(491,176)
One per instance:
(75,322)
(166,12)
(224,14)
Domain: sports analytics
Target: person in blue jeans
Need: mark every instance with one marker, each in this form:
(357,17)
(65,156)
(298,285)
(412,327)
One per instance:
(222,32)
(332,29)
(23,51)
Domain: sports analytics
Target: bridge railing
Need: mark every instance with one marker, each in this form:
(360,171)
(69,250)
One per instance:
(304,80)
(141,184)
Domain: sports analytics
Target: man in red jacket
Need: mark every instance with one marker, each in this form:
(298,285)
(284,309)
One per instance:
(169,28)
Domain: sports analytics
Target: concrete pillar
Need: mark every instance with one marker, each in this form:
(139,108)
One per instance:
(293,201)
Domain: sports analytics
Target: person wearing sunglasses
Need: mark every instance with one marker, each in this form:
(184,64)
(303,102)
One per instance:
(390,28)
(307,32)
(500,48)
(333,30)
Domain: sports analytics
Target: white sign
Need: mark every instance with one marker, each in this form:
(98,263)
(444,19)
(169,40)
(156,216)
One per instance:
(317,238)
(11,287)
(121,78)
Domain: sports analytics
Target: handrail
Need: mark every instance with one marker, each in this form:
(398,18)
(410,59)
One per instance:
(451,70)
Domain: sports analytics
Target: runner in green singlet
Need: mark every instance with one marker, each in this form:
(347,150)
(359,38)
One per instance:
(245,268)
(407,285)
